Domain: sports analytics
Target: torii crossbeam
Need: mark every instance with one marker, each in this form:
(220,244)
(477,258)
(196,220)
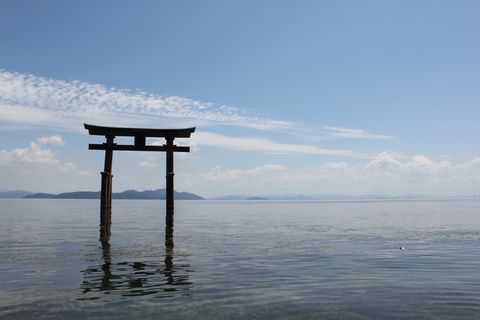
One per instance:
(140,135)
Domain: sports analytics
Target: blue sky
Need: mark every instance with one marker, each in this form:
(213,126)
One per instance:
(348,97)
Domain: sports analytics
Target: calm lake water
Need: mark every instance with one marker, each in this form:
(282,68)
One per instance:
(241,260)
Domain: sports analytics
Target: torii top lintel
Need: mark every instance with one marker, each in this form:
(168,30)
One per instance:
(143,132)
(140,135)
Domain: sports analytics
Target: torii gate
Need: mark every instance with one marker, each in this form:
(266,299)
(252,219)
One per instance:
(140,135)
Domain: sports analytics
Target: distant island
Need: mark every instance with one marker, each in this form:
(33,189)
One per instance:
(128,194)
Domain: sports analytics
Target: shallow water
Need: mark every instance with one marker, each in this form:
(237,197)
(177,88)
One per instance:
(241,260)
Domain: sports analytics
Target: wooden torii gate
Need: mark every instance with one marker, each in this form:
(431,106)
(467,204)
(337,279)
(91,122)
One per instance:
(140,135)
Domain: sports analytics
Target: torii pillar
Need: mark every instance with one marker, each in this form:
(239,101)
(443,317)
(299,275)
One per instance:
(140,135)
(169,175)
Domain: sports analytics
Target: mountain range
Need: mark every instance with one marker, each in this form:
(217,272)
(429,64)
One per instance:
(160,194)
(14,194)
(336,197)
(128,194)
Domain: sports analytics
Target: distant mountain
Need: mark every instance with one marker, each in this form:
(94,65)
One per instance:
(76,195)
(154,194)
(40,195)
(337,197)
(128,194)
(14,194)
(160,194)
(263,197)
(231,197)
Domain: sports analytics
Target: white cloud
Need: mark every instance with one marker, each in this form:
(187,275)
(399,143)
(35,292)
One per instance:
(56,139)
(35,155)
(353,133)
(382,175)
(262,145)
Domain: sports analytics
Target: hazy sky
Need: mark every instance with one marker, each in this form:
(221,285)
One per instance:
(344,97)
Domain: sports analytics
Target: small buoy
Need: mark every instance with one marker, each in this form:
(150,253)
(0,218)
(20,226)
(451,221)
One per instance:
(402,248)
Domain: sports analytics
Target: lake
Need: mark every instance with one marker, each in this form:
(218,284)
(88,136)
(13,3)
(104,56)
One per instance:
(241,260)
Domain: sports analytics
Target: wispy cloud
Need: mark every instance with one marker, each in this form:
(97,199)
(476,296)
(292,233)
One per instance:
(27,100)
(67,103)
(263,145)
(353,133)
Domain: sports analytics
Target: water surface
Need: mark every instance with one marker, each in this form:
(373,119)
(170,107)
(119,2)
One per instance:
(241,260)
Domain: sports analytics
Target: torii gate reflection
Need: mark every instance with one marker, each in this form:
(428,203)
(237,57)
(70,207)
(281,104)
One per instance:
(140,135)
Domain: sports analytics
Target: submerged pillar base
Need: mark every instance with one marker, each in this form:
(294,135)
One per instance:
(106,199)
(169,229)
